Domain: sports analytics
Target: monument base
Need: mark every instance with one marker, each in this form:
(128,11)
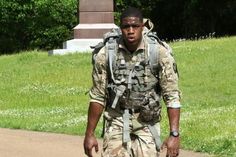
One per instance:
(76,45)
(85,36)
(92,30)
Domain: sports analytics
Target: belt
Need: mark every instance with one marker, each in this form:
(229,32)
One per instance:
(132,111)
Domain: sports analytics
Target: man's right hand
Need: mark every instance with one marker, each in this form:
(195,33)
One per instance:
(90,141)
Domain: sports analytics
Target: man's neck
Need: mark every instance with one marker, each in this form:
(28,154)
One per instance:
(133,48)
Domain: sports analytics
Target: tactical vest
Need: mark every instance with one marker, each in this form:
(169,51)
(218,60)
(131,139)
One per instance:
(135,87)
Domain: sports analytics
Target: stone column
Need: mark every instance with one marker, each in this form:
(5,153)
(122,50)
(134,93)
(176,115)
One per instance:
(95,18)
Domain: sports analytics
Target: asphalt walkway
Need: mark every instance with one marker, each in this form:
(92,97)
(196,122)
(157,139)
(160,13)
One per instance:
(20,143)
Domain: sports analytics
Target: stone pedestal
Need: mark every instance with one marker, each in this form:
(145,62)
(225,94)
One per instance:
(95,19)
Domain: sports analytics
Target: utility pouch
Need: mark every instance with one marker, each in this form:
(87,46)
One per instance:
(133,100)
(150,113)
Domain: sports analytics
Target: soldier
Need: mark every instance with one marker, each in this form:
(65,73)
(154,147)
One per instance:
(127,89)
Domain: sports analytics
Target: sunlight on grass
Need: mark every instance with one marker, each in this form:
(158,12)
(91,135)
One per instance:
(49,93)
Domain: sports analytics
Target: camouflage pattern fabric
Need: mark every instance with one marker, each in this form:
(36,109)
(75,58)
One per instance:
(141,145)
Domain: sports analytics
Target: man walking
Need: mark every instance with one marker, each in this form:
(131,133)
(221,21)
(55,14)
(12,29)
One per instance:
(129,78)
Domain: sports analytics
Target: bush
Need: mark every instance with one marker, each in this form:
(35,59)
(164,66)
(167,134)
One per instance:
(41,24)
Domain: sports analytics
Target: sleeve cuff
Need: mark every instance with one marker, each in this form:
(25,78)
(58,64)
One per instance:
(97,101)
(174,105)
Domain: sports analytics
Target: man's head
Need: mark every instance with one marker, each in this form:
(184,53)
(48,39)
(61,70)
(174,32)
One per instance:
(131,21)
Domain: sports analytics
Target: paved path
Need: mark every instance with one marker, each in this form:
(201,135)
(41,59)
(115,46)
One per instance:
(19,143)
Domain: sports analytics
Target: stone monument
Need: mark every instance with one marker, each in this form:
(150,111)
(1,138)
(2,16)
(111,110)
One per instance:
(95,18)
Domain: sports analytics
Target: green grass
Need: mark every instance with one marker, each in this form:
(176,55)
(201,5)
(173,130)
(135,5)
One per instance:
(44,93)
(207,79)
(47,93)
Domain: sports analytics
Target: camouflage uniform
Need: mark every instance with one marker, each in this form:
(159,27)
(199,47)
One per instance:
(142,143)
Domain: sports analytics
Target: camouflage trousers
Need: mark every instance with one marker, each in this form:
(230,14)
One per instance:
(141,145)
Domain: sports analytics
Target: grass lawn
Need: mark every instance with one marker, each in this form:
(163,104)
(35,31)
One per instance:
(48,93)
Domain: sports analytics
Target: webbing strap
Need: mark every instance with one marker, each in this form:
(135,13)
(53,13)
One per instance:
(130,79)
(156,136)
(115,101)
(119,92)
(126,132)
(111,49)
(153,53)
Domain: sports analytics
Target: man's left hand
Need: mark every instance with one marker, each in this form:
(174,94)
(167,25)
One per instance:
(172,144)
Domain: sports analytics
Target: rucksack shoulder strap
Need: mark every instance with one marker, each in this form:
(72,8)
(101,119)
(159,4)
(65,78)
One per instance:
(153,44)
(111,44)
(153,52)
(111,49)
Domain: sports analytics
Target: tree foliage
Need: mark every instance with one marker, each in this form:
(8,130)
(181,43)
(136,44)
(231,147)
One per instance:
(40,24)
(46,24)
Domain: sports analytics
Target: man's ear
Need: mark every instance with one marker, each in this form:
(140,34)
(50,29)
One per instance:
(143,26)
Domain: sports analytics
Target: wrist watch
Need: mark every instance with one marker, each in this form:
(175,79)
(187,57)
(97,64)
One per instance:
(174,133)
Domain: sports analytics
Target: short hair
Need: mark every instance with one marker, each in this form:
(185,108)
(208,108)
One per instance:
(131,12)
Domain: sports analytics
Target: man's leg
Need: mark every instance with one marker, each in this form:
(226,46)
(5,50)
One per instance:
(112,142)
(143,144)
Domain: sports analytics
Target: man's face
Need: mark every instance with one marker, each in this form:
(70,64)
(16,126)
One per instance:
(131,28)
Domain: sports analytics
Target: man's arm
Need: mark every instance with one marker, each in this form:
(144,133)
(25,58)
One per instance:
(90,141)
(171,94)
(174,116)
(172,142)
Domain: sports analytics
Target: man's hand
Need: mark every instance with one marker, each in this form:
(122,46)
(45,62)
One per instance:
(172,144)
(90,141)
